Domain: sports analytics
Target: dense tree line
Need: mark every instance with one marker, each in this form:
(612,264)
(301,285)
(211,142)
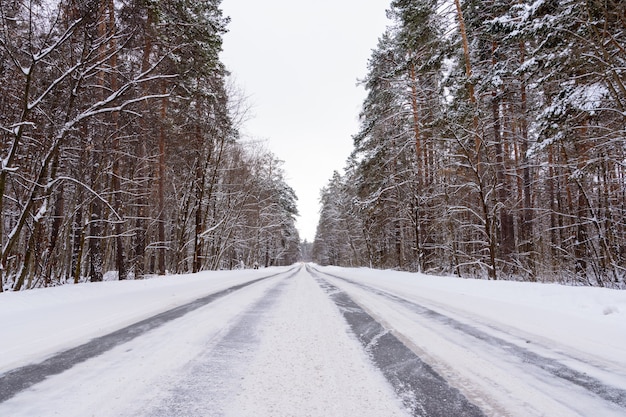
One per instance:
(119,147)
(492,144)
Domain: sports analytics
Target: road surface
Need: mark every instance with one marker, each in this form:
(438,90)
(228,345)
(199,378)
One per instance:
(305,342)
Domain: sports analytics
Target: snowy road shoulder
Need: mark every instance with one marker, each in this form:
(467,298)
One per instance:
(463,329)
(130,378)
(38,323)
(22,378)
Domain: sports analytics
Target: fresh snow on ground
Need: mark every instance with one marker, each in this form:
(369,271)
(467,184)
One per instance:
(581,328)
(280,347)
(589,320)
(37,323)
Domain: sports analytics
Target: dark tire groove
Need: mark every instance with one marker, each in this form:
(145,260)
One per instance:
(214,371)
(422,390)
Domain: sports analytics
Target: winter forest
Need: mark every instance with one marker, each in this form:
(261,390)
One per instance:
(492,145)
(120,148)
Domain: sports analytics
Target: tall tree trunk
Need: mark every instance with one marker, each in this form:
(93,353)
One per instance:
(96,263)
(553,207)
(142,203)
(116,174)
(161,186)
(416,124)
(8,162)
(470,86)
(507,238)
(96,260)
(526,235)
(419,163)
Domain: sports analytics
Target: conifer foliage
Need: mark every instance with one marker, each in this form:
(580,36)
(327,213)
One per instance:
(119,150)
(491,145)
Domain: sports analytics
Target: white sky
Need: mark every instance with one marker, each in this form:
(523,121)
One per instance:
(298,61)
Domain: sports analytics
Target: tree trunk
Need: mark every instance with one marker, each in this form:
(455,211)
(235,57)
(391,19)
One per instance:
(55,230)
(199,185)
(140,223)
(116,174)
(526,235)
(419,164)
(96,263)
(161,185)
(78,238)
(507,238)
(470,85)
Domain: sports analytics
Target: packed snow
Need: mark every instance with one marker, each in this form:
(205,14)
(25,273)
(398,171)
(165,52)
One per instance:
(579,328)
(40,322)
(280,347)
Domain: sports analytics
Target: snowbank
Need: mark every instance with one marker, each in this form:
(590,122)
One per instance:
(583,320)
(40,322)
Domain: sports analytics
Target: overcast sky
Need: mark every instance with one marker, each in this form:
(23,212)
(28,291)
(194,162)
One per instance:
(298,61)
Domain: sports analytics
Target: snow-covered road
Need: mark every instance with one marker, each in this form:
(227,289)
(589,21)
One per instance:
(278,347)
(302,341)
(517,350)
